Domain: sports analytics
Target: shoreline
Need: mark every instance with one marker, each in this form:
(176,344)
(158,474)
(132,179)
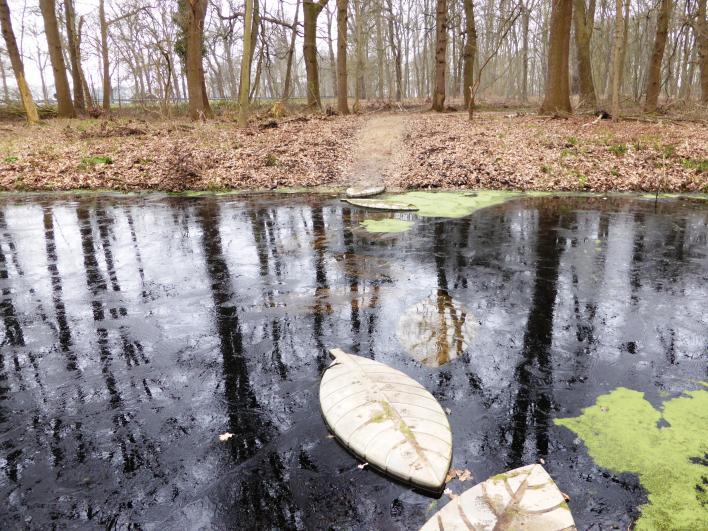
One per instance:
(339,191)
(432,152)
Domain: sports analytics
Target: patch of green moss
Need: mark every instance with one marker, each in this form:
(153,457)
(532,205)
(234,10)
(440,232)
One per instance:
(99,159)
(10,160)
(292,190)
(386,225)
(701,197)
(271,160)
(668,150)
(88,163)
(567,152)
(618,149)
(667,449)
(699,166)
(209,192)
(453,204)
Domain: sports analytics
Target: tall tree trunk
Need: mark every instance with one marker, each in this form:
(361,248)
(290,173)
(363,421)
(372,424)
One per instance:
(332,59)
(291,53)
(40,68)
(106,83)
(625,39)
(617,60)
(342,101)
(469,52)
(255,26)
(311,11)
(88,100)
(359,81)
(395,43)
(525,19)
(5,88)
(584,21)
(440,55)
(51,29)
(686,51)
(259,68)
(243,100)
(557,99)
(701,28)
(379,55)
(74,56)
(17,66)
(657,57)
(195,13)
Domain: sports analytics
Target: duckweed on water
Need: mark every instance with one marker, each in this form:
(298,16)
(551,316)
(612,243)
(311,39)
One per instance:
(453,204)
(386,225)
(697,196)
(622,432)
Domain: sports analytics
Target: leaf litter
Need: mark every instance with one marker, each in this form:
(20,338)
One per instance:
(527,152)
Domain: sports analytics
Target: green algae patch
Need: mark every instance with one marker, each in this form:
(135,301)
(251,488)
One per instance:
(667,449)
(698,196)
(386,225)
(453,204)
(205,193)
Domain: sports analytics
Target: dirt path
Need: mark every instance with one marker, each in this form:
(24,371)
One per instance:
(378,151)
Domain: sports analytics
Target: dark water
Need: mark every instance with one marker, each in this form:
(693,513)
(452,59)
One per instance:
(136,330)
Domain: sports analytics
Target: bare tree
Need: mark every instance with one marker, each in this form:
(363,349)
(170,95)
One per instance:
(657,57)
(701,28)
(342,100)
(246,64)
(56,56)
(3,77)
(73,45)
(584,21)
(194,13)
(106,83)
(17,66)
(469,52)
(311,11)
(291,53)
(557,99)
(440,55)
(617,60)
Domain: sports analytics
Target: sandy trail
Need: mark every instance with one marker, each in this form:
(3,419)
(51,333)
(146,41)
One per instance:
(378,152)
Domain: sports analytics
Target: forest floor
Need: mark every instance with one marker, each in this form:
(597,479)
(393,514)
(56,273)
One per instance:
(402,150)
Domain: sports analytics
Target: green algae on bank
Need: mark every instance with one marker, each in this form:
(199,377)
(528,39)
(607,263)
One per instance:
(453,204)
(652,196)
(666,449)
(205,193)
(386,225)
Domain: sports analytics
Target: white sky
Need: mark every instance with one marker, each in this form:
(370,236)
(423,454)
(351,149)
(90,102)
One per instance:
(29,32)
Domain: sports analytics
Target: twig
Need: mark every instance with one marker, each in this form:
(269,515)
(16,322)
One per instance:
(599,117)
